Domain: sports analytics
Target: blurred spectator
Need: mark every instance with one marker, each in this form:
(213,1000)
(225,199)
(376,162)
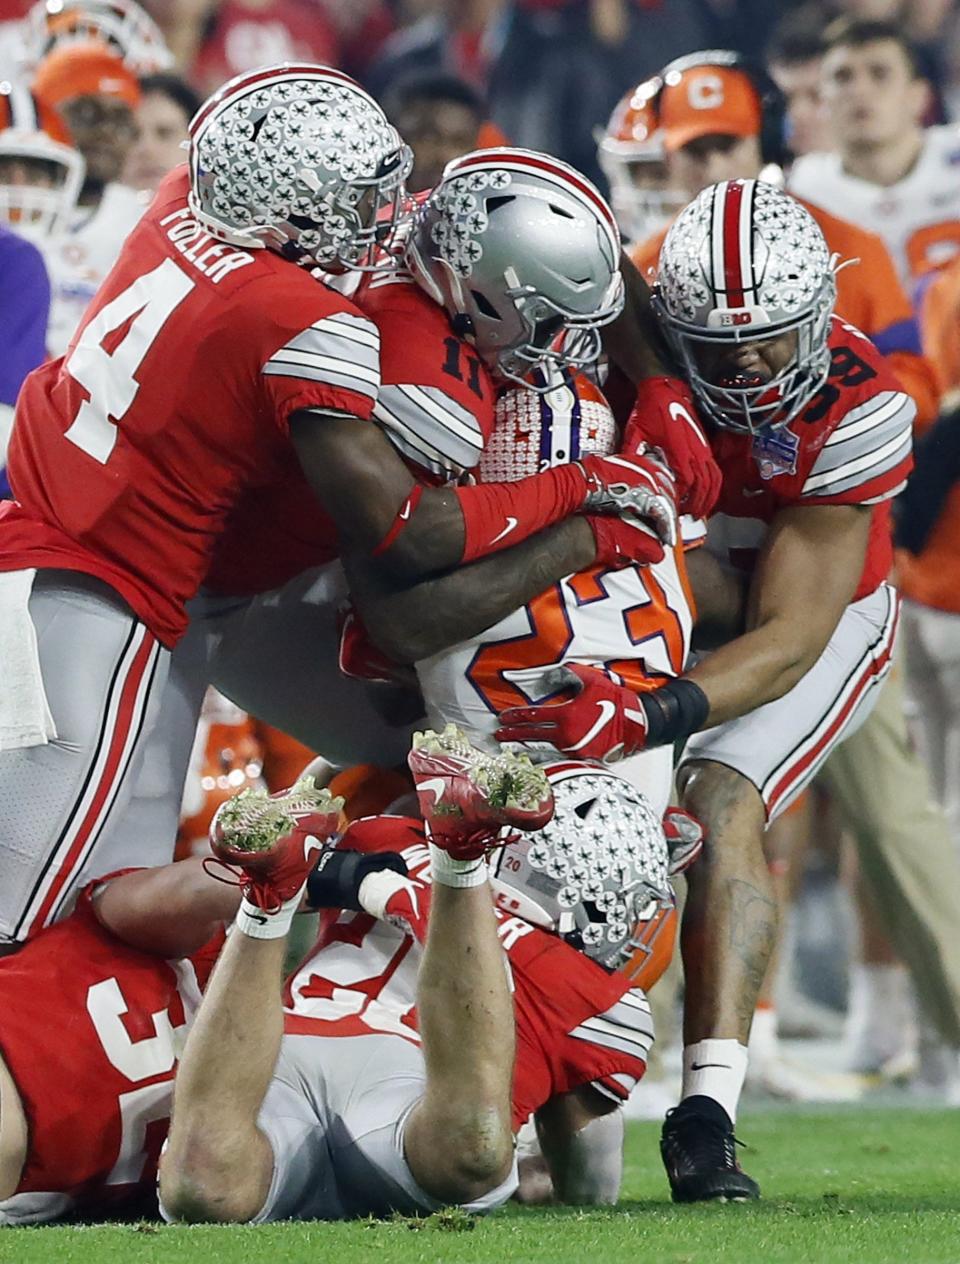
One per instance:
(97,95)
(553,69)
(794,58)
(24,307)
(461,39)
(440,117)
(213,40)
(166,107)
(887,172)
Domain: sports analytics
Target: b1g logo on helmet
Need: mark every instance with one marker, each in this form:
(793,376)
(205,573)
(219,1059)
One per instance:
(737,317)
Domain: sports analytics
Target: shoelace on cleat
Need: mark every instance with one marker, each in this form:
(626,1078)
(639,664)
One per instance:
(252,890)
(701,1143)
(488,839)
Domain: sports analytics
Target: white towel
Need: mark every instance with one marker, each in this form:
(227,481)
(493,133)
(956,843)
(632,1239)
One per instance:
(25,718)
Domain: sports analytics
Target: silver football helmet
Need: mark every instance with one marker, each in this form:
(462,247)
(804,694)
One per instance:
(299,159)
(524,255)
(123,24)
(745,262)
(596,873)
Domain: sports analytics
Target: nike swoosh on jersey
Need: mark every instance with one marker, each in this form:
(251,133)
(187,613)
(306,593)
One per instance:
(511,524)
(607,712)
(405,511)
(702,1066)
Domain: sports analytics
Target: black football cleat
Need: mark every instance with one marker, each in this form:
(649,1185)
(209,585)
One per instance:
(699,1151)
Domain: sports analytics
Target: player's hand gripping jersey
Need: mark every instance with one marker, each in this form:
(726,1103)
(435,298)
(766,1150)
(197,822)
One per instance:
(435,404)
(129,454)
(91,1033)
(635,621)
(576,1023)
(850,446)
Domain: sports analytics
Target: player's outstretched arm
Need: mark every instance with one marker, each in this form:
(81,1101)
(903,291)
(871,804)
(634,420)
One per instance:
(581,1137)
(465,601)
(410,531)
(171,911)
(806,575)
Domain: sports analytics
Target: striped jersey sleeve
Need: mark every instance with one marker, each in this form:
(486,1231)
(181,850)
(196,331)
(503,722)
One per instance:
(430,428)
(333,364)
(867,456)
(619,1040)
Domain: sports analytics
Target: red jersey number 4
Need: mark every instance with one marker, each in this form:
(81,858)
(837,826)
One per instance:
(128,325)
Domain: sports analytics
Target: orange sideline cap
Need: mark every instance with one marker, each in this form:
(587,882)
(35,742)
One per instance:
(708,101)
(84,70)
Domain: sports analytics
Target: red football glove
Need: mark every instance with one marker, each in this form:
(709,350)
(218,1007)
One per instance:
(665,416)
(602,720)
(639,486)
(624,542)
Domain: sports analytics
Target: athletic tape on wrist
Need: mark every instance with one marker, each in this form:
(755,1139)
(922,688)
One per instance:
(456,873)
(256,924)
(674,711)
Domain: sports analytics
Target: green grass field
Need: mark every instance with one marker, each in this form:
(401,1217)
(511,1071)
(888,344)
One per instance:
(865,1186)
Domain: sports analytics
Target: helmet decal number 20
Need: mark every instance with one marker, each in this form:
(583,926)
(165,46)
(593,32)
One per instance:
(108,377)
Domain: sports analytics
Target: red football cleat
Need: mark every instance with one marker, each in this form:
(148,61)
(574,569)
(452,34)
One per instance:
(274,840)
(467,796)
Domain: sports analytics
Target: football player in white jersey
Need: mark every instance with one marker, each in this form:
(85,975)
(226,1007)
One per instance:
(97,94)
(887,173)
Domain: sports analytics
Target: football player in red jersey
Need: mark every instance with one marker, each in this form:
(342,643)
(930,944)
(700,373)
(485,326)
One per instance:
(210,363)
(384,1079)
(813,436)
(142,945)
(265,631)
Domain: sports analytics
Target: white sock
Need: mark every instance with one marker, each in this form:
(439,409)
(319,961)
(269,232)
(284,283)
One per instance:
(715,1068)
(256,924)
(456,873)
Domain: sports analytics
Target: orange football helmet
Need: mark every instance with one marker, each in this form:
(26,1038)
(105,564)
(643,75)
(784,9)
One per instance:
(633,158)
(40,172)
(129,31)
